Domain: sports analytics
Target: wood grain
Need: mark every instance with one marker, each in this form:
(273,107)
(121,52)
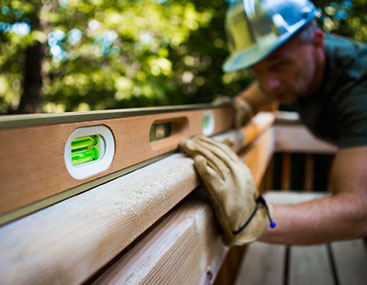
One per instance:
(71,240)
(296,138)
(288,198)
(34,156)
(310,265)
(350,258)
(263,264)
(309,173)
(185,248)
(286,172)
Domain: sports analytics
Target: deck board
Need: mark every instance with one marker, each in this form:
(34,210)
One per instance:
(263,265)
(309,265)
(350,259)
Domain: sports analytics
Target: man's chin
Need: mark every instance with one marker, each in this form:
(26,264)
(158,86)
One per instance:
(285,98)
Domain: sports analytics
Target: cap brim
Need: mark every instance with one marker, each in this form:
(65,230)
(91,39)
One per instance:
(260,50)
(252,55)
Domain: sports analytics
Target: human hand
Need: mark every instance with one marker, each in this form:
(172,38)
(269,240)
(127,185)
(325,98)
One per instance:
(242,110)
(241,214)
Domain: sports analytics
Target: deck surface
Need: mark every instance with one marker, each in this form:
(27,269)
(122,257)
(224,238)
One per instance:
(343,263)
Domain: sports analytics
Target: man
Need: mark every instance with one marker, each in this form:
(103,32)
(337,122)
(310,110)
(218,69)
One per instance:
(325,78)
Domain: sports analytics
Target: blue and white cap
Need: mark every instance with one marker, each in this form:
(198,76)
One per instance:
(255,28)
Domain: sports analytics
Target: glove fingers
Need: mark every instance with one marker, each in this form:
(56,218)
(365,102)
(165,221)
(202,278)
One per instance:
(214,185)
(193,148)
(224,152)
(208,175)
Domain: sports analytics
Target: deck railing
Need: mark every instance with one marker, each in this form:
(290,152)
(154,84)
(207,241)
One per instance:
(301,162)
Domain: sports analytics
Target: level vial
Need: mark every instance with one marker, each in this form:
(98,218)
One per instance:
(88,151)
(84,150)
(84,142)
(160,131)
(208,123)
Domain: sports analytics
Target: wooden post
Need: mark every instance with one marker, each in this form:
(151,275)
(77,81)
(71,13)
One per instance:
(309,173)
(286,171)
(269,176)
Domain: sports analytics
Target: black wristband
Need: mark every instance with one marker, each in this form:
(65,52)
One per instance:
(259,200)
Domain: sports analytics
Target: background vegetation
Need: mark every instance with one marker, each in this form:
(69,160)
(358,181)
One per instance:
(78,55)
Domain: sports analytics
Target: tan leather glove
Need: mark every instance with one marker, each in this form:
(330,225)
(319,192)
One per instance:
(242,110)
(241,212)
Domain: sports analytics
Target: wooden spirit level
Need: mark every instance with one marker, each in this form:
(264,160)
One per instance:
(47,158)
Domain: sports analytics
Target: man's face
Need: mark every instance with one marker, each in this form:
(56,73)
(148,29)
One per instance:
(288,72)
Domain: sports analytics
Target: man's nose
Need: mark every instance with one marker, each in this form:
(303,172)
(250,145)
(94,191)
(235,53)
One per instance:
(273,82)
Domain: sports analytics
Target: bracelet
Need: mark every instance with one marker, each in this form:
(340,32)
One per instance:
(259,200)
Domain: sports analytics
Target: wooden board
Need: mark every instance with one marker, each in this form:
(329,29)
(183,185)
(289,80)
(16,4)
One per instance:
(350,258)
(185,248)
(280,198)
(36,154)
(309,265)
(296,138)
(258,155)
(81,234)
(263,264)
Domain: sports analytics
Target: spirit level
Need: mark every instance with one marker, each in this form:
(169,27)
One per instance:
(50,157)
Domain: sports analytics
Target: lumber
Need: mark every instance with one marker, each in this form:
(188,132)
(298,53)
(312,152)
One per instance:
(310,265)
(81,234)
(185,248)
(36,153)
(286,172)
(287,117)
(350,258)
(263,264)
(286,198)
(296,138)
(309,173)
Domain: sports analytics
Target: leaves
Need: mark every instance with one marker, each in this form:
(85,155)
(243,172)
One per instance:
(102,54)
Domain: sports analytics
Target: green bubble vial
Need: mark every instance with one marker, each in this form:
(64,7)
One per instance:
(84,150)
(206,121)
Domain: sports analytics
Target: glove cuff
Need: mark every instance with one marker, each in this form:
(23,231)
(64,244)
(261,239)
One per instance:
(260,200)
(243,113)
(254,226)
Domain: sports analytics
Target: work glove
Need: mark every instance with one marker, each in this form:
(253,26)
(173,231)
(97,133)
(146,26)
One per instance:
(242,110)
(241,212)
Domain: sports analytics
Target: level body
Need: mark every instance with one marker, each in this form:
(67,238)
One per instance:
(34,172)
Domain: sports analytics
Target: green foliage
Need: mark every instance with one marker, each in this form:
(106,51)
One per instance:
(103,54)
(347,18)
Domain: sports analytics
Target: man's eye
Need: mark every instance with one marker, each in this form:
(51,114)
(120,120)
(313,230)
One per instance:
(280,65)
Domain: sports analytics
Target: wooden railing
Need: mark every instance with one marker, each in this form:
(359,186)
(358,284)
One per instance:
(148,226)
(297,155)
(139,228)
(291,140)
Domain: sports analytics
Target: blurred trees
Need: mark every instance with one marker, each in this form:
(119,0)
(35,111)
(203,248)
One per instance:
(69,55)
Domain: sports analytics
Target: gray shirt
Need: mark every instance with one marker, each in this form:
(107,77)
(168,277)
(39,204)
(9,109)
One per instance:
(337,112)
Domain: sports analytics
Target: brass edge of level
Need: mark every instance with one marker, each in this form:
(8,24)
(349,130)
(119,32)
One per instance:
(20,121)
(49,201)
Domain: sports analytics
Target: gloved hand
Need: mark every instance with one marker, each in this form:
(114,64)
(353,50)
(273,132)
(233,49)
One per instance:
(242,110)
(241,212)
